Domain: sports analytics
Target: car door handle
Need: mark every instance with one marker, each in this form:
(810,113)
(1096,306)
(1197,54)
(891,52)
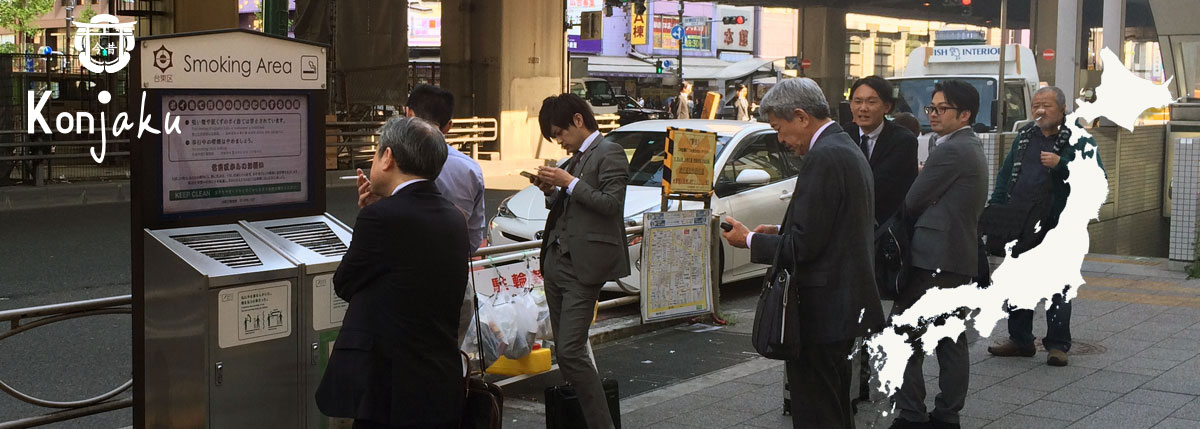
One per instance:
(785,195)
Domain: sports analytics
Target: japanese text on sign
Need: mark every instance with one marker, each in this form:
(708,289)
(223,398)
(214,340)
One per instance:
(688,168)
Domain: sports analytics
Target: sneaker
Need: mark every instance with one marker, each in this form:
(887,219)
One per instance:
(901,423)
(938,424)
(1057,358)
(1009,348)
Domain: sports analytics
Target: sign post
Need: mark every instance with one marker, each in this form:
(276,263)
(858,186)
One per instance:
(681,247)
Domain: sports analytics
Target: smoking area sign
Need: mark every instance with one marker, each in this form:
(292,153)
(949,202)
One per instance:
(254,313)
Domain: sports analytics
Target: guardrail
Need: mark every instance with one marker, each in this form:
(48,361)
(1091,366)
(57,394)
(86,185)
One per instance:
(356,141)
(48,314)
(608,122)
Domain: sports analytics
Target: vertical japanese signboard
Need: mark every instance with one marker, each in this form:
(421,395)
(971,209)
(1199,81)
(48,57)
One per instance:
(638,27)
(677,275)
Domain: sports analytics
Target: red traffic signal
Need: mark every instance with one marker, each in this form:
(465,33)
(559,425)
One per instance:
(966,2)
(730,20)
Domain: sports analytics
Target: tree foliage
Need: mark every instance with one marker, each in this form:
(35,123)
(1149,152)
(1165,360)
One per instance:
(19,16)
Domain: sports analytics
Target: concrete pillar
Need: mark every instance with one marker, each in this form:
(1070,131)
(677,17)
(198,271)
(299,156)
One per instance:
(1114,26)
(823,41)
(1043,29)
(1067,47)
(187,16)
(501,58)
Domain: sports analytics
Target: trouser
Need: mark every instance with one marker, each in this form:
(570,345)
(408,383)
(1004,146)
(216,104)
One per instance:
(819,383)
(953,359)
(1058,325)
(572,307)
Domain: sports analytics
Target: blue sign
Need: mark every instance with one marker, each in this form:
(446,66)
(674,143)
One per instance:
(677,32)
(666,63)
(792,63)
(46,50)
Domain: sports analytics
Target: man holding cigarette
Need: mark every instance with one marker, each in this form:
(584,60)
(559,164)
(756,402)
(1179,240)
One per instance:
(1034,175)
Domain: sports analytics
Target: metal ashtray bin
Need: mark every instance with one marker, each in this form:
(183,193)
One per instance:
(220,321)
(316,244)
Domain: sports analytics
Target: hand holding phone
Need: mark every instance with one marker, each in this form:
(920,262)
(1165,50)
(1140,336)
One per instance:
(726,226)
(529,175)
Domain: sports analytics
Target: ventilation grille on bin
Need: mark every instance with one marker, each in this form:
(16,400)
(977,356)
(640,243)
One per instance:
(228,248)
(314,236)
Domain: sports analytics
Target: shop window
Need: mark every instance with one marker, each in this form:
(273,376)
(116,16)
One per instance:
(883,58)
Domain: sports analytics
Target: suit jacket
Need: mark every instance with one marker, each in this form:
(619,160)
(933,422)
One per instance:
(396,361)
(893,166)
(946,201)
(589,223)
(831,242)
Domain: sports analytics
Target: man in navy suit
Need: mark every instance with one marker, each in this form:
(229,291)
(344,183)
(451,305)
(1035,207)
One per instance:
(396,362)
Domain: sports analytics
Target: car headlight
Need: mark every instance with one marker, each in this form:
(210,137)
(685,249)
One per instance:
(504,211)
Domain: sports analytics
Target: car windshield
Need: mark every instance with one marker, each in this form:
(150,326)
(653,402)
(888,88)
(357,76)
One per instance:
(645,151)
(915,94)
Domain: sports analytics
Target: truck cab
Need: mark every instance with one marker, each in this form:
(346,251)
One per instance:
(597,92)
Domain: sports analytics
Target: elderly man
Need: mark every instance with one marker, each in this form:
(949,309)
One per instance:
(1034,175)
(829,246)
(396,363)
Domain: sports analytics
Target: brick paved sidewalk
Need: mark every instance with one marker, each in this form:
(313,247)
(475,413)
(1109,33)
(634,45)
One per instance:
(1135,364)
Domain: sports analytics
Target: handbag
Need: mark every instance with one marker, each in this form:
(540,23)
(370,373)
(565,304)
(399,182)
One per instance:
(893,255)
(484,404)
(776,334)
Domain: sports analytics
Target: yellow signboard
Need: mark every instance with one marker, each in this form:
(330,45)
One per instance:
(637,29)
(688,168)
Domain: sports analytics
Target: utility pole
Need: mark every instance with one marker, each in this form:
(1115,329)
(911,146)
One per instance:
(275,17)
(682,39)
(1002,103)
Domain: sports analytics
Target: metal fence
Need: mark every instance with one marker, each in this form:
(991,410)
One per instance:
(25,319)
(34,158)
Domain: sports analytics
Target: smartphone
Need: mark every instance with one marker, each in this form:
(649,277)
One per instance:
(726,226)
(529,175)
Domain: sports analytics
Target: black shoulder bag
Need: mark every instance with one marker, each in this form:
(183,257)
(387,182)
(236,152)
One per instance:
(776,333)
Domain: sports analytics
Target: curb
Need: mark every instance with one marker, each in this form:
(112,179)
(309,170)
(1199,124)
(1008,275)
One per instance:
(29,197)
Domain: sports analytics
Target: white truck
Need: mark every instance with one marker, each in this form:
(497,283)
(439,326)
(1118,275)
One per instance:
(977,65)
(597,92)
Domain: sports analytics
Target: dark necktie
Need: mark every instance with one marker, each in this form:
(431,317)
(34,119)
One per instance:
(864,144)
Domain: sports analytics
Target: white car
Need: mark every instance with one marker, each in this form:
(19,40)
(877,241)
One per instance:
(753,181)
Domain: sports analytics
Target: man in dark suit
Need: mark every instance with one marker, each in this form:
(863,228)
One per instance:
(890,149)
(584,241)
(828,231)
(946,201)
(396,363)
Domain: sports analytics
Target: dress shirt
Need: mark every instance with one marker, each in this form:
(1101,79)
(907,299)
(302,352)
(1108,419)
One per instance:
(872,138)
(402,185)
(942,139)
(579,153)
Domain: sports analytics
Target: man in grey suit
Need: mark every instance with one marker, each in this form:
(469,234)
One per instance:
(584,241)
(827,238)
(946,201)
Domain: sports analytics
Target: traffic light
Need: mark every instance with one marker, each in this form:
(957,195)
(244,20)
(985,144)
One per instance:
(966,2)
(639,7)
(658,67)
(731,20)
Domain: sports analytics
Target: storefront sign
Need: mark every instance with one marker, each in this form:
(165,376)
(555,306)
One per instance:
(698,37)
(638,28)
(970,54)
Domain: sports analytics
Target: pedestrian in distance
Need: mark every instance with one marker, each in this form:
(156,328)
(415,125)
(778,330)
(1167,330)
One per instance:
(829,248)
(741,105)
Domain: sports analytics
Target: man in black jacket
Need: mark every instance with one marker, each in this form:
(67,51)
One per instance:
(827,235)
(890,149)
(396,363)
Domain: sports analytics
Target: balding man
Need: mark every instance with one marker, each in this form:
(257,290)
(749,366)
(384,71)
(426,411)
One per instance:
(1034,176)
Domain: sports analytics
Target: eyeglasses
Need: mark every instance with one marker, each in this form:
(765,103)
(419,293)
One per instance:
(941,110)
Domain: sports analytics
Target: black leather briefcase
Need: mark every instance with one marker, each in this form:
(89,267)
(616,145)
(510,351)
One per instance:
(563,410)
